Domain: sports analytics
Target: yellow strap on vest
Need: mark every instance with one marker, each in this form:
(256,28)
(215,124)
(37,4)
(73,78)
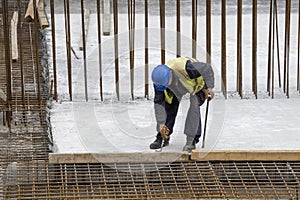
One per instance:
(168,96)
(193,85)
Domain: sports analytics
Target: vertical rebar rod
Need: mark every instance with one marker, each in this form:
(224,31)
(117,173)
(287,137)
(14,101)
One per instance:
(20,40)
(99,49)
(146,51)
(68,45)
(162,31)
(37,52)
(132,45)
(194,28)
(53,47)
(116,41)
(208,31)
(7,60)
(287,46)
(129,6)
(84,50)
(178,29)
(131,27)
(254,47)
(272,55)
(277,38)
(223,47)
(298,69)
(284,62)
(239,49)
(270,48)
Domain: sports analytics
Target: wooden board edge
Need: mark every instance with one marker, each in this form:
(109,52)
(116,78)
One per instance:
(245,155)
(138,157)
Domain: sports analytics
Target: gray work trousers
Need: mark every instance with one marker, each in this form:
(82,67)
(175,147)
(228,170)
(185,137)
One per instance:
(192,126)
(193,119)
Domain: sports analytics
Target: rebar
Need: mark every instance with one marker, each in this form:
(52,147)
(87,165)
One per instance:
(20,38)
(146,51)
(254,47)
(27,136)
(272,53)
(178,29)
(208,31)
(277,38)
(162,31)
(68,45)
(239,49)
(116,41)
(180,180)
(7,57)
(223,48)
(273,32)
(194,28)
(37,52)
(83,32)
(53,47)
(131,28)
(287,48)
(99,50)
(270,48)
(298,52)
(25,147)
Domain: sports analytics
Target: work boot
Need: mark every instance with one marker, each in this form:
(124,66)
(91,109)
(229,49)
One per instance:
(190,144)
(157,143)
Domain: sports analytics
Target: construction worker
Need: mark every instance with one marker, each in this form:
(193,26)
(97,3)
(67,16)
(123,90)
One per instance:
(172,80)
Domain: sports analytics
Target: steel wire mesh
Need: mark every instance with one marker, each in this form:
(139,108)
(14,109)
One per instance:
(178,180)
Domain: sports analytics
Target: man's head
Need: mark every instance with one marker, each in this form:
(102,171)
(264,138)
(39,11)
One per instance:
(161,77)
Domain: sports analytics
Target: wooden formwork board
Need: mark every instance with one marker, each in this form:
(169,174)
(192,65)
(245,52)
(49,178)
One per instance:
(40,6)
(198,155)
(14,37)
(249,155)
(139,157)
(29,15)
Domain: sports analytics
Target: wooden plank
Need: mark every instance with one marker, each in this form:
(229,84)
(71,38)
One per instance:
(41,14)
(57,158)
(29,15)
(14,37)
(256,155)
(86,28)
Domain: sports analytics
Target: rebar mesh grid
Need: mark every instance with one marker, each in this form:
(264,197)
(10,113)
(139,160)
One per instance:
(27,136)
(25,173)
(178,180)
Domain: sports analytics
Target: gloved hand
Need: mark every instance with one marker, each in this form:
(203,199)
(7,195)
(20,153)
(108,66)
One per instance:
(164,131)
(209,94)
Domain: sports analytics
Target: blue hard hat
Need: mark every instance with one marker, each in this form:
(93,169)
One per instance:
(160,77)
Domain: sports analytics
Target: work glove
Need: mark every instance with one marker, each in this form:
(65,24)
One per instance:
(209,94)
(164,131)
